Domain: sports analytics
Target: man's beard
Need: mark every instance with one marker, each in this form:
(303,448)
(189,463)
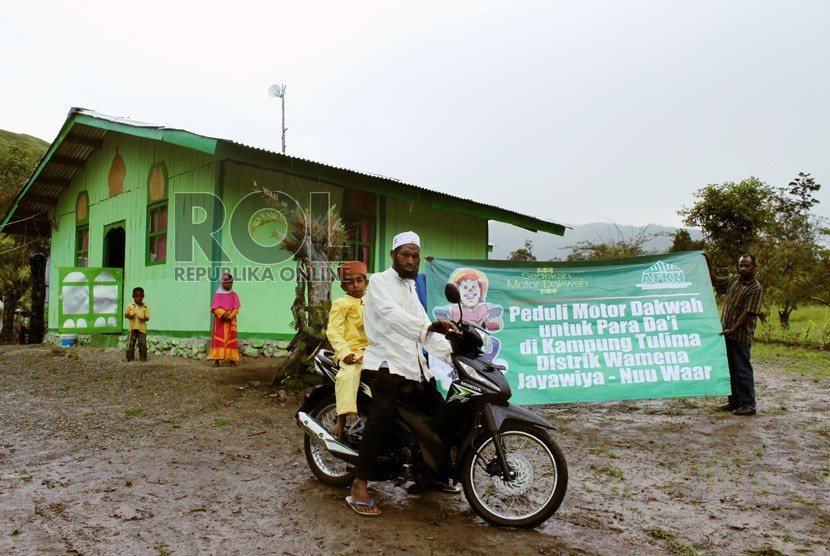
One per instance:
(403,273)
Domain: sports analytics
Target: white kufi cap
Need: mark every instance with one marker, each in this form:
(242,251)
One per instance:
(406,237)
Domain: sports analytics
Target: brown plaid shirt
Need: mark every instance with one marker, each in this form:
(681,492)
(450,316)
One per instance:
(741,297)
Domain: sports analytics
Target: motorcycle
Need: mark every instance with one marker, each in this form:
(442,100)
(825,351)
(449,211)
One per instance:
(512,472)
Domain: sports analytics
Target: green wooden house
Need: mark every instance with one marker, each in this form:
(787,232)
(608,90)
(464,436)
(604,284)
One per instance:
(130,204)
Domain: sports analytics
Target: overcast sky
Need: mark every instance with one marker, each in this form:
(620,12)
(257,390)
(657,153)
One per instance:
(574,112)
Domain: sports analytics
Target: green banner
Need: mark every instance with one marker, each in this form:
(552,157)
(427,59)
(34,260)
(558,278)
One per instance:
(646,327)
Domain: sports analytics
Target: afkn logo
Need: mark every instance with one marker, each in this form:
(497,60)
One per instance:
(661,276)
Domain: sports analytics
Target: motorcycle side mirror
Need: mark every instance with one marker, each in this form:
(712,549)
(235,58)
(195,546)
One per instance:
(454,296)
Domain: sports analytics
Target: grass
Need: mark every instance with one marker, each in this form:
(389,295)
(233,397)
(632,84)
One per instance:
(806,502)
(608,470)
(696,471)
(809,326)
(766,550)
(674,545)
(605,451)
(807,362)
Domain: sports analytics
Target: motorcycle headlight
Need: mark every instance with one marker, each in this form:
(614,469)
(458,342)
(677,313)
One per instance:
(486,339)
(477,376)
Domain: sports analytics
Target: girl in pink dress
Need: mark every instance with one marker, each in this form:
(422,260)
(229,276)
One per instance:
(225,307)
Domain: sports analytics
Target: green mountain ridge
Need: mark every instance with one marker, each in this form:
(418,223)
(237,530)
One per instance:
(19,155)
(25,142)
(548,247)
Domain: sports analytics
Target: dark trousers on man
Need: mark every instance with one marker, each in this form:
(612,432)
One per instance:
(387,390)
(741,375)
(140,338)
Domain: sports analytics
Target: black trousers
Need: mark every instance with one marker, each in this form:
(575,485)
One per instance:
(140,338)
(387,390)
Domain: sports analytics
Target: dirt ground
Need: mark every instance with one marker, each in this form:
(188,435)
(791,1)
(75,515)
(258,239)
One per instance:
(172,456)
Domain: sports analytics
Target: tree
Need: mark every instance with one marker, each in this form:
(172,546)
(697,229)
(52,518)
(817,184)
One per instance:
(15,281)
(37,322)
(523,253)
(791,248)
(821,294)
(610,248)
(683,242)
(19,154)
(16,164)
(773,224)
(315,241)
(733,217)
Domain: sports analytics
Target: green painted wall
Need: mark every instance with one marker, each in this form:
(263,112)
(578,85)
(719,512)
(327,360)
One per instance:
(443,234)
(173,306)
(266,302)
(180,302)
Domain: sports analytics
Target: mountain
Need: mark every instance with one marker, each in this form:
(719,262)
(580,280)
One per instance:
(25,142)
(548,247)
(19,154)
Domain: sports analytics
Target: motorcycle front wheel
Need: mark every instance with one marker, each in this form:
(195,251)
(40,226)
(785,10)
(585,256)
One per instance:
(325,466)
(538,484)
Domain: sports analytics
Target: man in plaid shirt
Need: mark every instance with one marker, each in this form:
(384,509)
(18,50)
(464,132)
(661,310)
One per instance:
(740,315)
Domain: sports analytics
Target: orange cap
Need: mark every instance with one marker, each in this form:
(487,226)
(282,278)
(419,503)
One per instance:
(351,268)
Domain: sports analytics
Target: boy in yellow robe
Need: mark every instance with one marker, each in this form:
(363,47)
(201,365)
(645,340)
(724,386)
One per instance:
(138,315)
(345,332)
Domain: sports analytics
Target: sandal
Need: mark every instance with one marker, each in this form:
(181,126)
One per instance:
(447,487)
(356,505)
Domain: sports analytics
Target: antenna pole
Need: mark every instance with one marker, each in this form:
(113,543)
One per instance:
(279,91)
(282,97)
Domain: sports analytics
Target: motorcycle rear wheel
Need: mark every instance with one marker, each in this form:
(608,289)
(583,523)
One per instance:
(326,467)
(533,495)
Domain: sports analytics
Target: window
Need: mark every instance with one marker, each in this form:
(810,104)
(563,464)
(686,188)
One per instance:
(359,229)
(82,246)
(157,214)
(157,234)
(82,229)
(118,171)
(359,221)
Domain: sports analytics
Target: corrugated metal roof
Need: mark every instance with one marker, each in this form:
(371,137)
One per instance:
(84,130)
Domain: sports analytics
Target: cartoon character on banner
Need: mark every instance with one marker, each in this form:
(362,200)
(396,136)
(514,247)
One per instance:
(472,284)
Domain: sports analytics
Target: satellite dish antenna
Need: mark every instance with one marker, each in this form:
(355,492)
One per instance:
(276,91)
